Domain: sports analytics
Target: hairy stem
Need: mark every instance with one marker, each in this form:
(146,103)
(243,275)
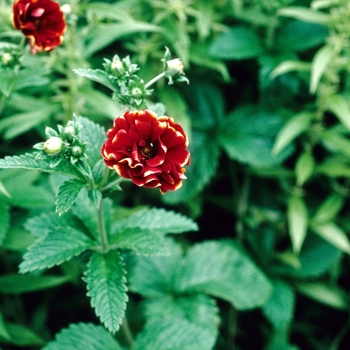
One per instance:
(102,228)
(152,81)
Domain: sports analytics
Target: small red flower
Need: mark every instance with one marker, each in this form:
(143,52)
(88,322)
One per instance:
(41,21)
(150,150)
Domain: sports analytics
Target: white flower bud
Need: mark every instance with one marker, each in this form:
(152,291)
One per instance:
(174,67)
(53,145)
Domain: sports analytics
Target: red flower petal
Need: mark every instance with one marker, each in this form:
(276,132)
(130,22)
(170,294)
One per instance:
(150,150)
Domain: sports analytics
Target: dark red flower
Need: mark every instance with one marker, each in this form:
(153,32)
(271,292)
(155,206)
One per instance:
(41,21)
(150,150)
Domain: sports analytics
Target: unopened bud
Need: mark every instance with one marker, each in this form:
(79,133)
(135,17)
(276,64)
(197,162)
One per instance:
(77,151)
(117,67)
(174,67)
(53,145)
(69,132)
(6,58)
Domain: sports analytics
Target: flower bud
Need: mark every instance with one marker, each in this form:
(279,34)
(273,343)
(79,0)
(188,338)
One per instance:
(69,132)
(53,145)
(77,151)
(117,67)
(174,67)
(6,59)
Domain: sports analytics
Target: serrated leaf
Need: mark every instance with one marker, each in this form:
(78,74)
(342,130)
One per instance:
(160,221)
(198,309)
(142,240)
(67,194)
(237,43)
(95,135)
(330,295)
(17,284)
(83,336)
(173,334)
(58,245)
(279,308)
(231,276)
(106,285)
(40,225)
(247,135)
(4,219)
(97,75)
(297,221)
(28,161)
(155,276)
(292,129)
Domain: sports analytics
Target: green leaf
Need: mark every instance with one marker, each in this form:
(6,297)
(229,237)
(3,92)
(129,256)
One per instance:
(198,309)
(20,123)
(295,126)
(247,135)
(333,234)
(23,336)
(335,142)
(236,44)
(104,34)
(3,331)
(300,36)
(173,334)
(279,308)
(95,136)
(17,284)
(28,161)
(97,75)
(297,221)
(67,194)
(338,105)
(59,244)
(304,167)
(142,240)
(231,275)
(156,275)
(40,225)
(320,62)
(316,258)
(305,14)
(83,336)
(4,219)
(106,284)
(160,221)
(329,209)
(330,295)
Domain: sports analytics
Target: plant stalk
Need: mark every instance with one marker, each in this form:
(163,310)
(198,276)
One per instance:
(156,78)
(102,227)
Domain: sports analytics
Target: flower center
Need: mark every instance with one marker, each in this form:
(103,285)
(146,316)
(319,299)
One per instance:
(149,150)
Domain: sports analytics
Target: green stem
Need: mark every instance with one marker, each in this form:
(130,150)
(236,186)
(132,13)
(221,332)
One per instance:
(102,227)
(127,332)
(112,184)
(2,103)
(152,81)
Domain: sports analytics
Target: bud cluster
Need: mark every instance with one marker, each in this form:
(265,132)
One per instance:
(130,89)
(64,144)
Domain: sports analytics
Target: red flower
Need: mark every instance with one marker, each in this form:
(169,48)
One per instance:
(41,21)
(150,150)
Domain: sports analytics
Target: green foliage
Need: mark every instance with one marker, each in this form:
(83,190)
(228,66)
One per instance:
(259,255)
(83,336)
(105,279)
